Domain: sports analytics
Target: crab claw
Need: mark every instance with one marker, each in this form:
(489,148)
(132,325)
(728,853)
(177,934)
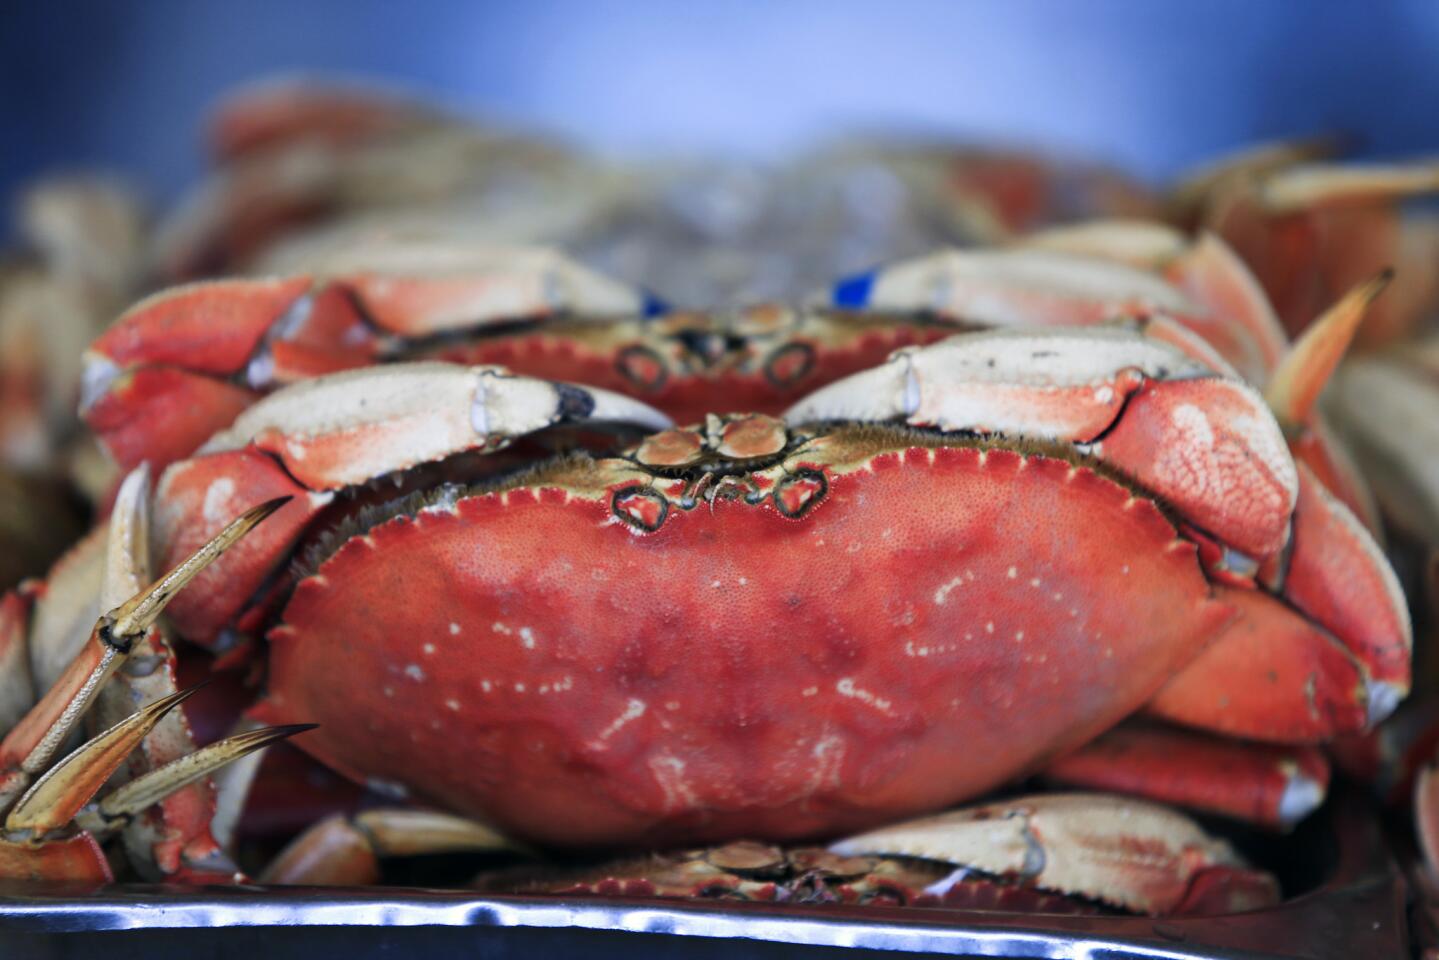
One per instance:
(1295,387)
(181,364)
(1128,853)
(319,436)
(1208,446)
(1113,390)
(1012,287)
(350,427)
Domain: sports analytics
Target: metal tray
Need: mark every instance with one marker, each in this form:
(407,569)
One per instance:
(1359,910)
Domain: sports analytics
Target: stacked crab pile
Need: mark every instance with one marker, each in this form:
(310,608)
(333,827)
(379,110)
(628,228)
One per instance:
(553,565)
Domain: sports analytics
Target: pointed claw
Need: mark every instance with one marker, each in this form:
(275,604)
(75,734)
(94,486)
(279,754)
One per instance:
(1197,185)
(154,786)
(56,797)
(1302,187)
(1301,375)
(403,833)
(338,851)
(131,619)
(29,748)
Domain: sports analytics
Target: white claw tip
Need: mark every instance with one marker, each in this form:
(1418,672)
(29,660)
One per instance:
(1301,797)
(1383,698)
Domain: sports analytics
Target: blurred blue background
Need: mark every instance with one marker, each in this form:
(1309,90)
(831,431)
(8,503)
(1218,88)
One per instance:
(1151,86)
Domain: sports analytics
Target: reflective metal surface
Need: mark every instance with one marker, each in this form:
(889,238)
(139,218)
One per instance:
(1358,912)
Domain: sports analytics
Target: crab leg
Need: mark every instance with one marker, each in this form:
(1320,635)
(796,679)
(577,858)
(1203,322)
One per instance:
(1293,395)
(1310,232)
(54,799)
(1270,785)
(1140,243)
(1140,856)
(122,804)
(1239,321)
(342,851)
(32,745)
(1198,185)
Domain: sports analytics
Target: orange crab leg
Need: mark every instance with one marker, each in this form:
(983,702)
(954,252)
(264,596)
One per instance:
(1294,392)
(1271,675)
(1338,576)
(1275,786)
(347,851)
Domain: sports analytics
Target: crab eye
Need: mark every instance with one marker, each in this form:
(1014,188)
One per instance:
(798,493)
(642,367)
(641,508)
(789,364)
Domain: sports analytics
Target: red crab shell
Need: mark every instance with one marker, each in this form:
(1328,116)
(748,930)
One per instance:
(780,669)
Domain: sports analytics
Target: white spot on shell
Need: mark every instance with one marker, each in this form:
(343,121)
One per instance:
(846,688)
(527,638)
(499,627)
(941,595)
(216,508)
(413,671)
(669,773)
(454,629)
(634,709)
(429,649)
(453,704)
(1012,573)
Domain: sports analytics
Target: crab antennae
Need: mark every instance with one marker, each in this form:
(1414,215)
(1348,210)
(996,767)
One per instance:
(56,797)
(115,810)
(1300,377)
